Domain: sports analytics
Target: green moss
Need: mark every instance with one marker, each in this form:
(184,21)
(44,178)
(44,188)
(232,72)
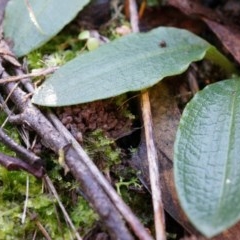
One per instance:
(12,132)
(102,149)
(141,204)
(133,182)
(155,3)
(61,49)
(41,205)
(82,216)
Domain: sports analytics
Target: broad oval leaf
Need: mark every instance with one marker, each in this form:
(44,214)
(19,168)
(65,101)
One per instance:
(206,158)
(30,23)
(132,63)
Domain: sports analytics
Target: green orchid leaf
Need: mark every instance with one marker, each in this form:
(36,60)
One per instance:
(131,63)
(29,23)
(206,158)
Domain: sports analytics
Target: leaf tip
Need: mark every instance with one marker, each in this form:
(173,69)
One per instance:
(45,96)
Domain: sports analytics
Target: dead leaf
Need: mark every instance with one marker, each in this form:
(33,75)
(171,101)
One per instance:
(169,17)
(194,8)
(166,116)
(228,35)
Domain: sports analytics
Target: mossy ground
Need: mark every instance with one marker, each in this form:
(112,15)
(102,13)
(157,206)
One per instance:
(42,209)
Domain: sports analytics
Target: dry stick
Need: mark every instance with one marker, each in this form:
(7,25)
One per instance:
(153,168)
(151,149)
(26,82)
(52,138)
(42,72)
(43,230)
(14,164)
(33,217)
(126,212)
(23,152)
(55,194)
(26,201)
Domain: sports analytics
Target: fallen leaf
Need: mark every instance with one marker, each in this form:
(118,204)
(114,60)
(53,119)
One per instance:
(166,116)
(194,8)
(228,35)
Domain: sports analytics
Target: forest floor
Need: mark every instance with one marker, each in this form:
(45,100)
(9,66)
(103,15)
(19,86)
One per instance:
(111,131)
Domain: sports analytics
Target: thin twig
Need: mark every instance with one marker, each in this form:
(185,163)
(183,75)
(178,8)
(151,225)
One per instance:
(151,148)
(153,169)
(126,212)
(33,217)
(26,82)
(34,235)
(5,108)
(133,16)
(10,93)
(27,155)
(38,73)
(13,164)
(26,201)
(55,194)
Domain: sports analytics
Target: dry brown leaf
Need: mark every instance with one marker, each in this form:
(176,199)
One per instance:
(227,33)
(194,8)
(166,116)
